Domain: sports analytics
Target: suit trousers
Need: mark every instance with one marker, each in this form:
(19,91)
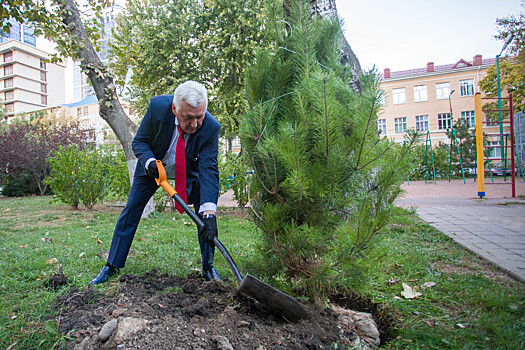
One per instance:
(142,189)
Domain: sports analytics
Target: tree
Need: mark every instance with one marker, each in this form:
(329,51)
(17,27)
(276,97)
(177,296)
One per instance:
(324,182)
(512,69)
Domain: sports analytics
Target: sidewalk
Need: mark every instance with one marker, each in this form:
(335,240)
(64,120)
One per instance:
(493,228)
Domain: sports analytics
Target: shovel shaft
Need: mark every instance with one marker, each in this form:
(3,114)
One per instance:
(163,182)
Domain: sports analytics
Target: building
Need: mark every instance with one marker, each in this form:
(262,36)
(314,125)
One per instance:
(27,81)
(81,86)
(430,99)
(20,32)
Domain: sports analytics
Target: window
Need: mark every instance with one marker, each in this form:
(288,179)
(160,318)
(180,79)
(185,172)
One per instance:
(469,118)
(79,112)
(10,108)
(8,56)
(381,126)
(466,87)
(400,125)
(43,88)
(442,90)
(42,64)
(43,100)
(444,121)
(420,93)
(9,95)
(8,70)
(86,111)
(494,150)
(236,142)
(421,122)
(43,76)
(399,95)
(8,83)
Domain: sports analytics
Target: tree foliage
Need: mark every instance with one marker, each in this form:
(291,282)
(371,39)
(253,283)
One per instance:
(160,44)
(324,182)
(512,68)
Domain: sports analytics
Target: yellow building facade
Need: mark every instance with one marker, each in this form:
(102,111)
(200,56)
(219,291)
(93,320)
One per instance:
(430,99)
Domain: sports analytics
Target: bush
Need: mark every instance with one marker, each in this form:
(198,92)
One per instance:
(78,176)
(19,185)
(235,175)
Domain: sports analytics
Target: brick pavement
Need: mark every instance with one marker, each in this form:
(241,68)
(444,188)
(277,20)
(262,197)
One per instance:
(493,228)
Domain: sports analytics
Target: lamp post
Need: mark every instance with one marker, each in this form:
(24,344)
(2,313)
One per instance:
(450,105)
(498,84)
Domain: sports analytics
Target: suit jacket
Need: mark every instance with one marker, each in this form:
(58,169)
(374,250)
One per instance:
(153,140)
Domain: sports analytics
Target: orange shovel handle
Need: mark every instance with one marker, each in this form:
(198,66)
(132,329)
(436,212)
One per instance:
(163,179)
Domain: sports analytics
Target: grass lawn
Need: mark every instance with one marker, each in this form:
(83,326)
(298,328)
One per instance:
(472,305)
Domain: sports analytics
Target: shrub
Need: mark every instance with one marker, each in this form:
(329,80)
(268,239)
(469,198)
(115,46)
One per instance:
(235,175)
(78,176)
(26,142)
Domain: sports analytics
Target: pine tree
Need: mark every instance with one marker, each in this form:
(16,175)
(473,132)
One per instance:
(324,182)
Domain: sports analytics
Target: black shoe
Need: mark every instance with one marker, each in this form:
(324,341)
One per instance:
(104,274)
(211,275)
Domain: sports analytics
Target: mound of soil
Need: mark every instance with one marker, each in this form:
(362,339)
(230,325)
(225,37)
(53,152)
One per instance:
(160,311)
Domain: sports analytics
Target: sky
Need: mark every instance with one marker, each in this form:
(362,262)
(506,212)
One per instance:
(406,34)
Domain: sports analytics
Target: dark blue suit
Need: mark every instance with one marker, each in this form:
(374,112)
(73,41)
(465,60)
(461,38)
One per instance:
(202,173)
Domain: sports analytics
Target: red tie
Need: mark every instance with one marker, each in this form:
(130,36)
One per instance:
(180,169)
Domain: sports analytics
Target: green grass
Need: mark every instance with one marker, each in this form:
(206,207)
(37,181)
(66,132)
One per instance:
(468,290)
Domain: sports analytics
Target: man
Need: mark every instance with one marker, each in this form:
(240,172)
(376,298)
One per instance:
(173,124)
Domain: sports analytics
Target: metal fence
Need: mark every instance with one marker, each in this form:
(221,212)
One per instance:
(519,136)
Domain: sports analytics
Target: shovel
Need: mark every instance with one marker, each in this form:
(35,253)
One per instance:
(275,300)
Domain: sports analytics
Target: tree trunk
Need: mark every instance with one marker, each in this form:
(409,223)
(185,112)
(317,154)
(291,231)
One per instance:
(327,8)
(110,108)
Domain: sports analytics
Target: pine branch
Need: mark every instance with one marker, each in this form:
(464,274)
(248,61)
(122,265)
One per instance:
(326,118)
(370,116)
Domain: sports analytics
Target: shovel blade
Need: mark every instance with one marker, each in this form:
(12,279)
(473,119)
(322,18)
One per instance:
(272,298)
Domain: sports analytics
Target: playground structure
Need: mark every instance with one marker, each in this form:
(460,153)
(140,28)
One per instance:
(506,148)
(485,141)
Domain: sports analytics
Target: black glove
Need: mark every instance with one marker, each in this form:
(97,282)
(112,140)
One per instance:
(153,171)
(209,231)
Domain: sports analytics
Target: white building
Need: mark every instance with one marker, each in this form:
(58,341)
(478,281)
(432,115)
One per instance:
(27,82)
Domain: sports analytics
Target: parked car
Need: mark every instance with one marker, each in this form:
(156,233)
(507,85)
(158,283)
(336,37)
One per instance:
(499,169)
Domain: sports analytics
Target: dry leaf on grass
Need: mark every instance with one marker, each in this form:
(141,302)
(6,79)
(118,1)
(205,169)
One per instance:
(428,284)
(51,261)
(409,292)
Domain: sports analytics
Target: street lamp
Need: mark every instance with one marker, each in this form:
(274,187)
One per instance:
(498,83)
(450,105)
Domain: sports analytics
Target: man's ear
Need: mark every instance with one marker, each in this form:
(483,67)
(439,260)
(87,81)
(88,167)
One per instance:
(174,110)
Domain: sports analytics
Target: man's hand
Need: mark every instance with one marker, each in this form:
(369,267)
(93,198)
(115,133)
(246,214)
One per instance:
(209,231)
(153,171)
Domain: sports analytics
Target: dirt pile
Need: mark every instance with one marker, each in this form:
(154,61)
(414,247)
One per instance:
(160,311)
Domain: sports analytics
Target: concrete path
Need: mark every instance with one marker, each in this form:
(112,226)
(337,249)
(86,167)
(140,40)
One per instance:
(493,228)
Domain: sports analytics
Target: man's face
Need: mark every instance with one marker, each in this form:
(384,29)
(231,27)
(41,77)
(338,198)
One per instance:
(190,118)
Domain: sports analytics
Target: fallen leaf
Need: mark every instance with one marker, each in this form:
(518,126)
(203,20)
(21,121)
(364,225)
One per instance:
(409,292)
(51,261)
(99,241)
(460,325)
(47,239)
(24,246)
(428,285)
(187,223)
(81,254)
(391,280)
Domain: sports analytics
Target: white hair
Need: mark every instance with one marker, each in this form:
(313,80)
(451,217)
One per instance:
(192,92)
